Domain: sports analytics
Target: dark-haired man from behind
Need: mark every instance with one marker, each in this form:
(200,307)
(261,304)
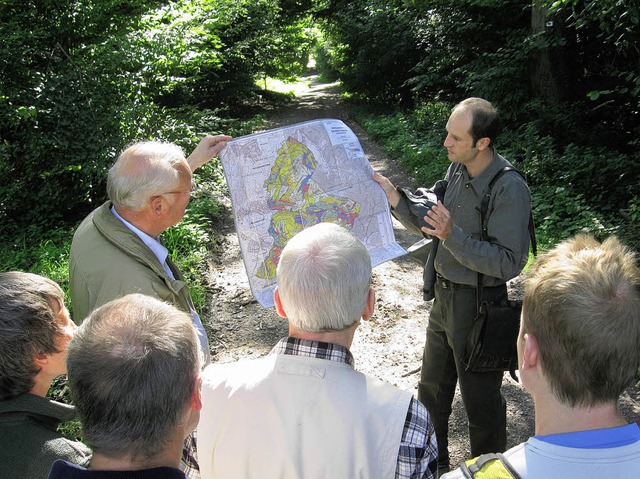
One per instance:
(578,351)
(134,372)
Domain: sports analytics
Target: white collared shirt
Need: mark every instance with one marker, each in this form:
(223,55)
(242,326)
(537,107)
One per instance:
(152,243)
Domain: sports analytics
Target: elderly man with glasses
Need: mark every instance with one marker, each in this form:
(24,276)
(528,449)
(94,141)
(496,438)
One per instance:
(116,250)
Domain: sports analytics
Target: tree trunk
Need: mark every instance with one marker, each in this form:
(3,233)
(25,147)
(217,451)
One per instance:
(547,64)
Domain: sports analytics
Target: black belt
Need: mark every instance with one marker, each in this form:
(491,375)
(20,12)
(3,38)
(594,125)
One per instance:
(446,284)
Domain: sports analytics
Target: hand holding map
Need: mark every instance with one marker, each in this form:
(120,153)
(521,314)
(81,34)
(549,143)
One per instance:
(284,180)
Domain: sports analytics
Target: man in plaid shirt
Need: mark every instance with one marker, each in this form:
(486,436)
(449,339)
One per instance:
(303,411)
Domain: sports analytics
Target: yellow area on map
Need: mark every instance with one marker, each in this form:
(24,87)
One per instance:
(299,201)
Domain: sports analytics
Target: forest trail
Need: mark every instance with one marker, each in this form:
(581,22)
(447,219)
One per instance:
(390,345)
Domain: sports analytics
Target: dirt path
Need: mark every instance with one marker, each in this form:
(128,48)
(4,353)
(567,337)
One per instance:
(390,345)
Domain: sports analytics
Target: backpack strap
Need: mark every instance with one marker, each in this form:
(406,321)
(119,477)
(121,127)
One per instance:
(498,467)
(484,207)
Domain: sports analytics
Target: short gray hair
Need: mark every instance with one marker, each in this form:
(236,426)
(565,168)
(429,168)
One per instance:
(324,276)
(29,304)
(132,370)
(144,170)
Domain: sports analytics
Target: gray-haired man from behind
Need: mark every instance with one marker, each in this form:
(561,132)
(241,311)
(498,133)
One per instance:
(134,372)
(303,411)
(578,351)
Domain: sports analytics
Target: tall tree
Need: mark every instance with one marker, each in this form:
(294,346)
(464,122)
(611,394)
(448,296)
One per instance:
(547,64)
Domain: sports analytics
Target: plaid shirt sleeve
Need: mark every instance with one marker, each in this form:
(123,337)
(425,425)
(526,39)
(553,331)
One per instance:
(189,460)
(418,454)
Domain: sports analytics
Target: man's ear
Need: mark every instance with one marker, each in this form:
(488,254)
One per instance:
(158,205)
(530,353)
(370,305)
(279,308)
(483,143)
(196,397)
(41,360)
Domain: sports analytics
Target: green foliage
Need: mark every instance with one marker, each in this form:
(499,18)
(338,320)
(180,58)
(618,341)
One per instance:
(571,66)
(80,81)
(602,38)
(574,188)
(472,48)
(561,213)
(372,45)
(67,92)
(629,231)
(325,55)
(257,38)
(495,72)
(610,178)
(48,255)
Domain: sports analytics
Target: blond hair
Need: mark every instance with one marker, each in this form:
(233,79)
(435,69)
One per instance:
(582,304)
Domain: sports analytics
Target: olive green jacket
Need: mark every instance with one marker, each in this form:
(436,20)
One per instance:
(108,260)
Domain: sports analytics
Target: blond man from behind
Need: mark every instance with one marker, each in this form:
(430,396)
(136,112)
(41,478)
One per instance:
(579,349)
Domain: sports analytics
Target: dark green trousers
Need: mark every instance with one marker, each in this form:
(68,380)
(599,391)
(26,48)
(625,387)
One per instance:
(452,315)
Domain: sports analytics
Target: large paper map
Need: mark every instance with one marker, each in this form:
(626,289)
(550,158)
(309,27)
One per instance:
(284,180)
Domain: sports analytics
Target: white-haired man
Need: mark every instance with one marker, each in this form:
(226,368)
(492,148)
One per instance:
(116,250)
(578,351)
(303,411)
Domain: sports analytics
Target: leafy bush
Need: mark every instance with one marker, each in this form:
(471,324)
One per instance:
(46,255)
(80,81)
(601,40)
(561,213)
(325,56)
(472,48)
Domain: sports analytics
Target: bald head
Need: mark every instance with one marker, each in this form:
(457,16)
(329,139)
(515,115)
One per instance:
(484,118)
